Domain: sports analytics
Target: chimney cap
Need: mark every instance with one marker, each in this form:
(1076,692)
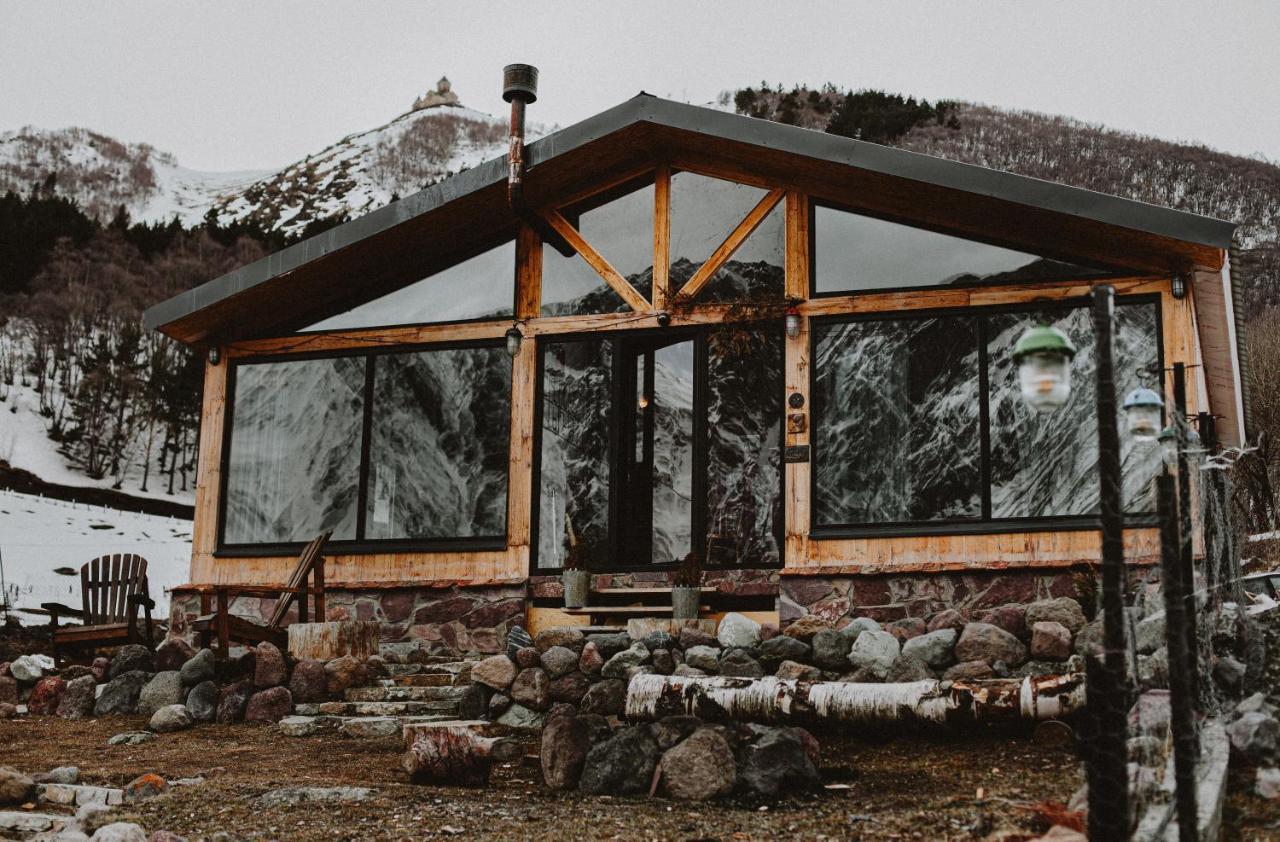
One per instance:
(520,81)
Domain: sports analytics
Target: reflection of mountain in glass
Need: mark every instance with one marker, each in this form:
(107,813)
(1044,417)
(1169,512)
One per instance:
(294,463)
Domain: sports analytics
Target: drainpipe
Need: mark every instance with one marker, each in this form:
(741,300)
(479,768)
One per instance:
(520,87)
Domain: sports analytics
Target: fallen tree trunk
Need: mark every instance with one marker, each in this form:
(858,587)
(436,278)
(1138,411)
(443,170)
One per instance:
(453,753)
(769,699)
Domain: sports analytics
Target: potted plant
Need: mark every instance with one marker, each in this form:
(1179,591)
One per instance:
(686,589)
(575,576)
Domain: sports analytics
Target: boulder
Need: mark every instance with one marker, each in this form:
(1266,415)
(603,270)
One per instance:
(15,787)
(528,657)
(69,775)
(202,702)
(1012,618)
(74,671)
(986,642)
(619,664)
(858,625)
(309,682)
(202,666)
(1050,641)
(1063,609)
(831,649)
(970,670)
(796,671)
(623,764)
(805,627)
(559,660)
(606,698)
(269,668)
(1254,737)
(131,738)
(1267,783)
(78,698)
(705,658)
(341,674)
(133,657)
(517,638)
(566,740)
(699,768)
(8,690)
(101,668)
(658,639)
(1257,703)
(519,716)
(664,663)
(46,696)
(908,668)
(672,729)
(778,762)
(685,669)
(948,619)
(691,636)
(1150,715)
(172,654)
(145,786)
(532,688)
(570,688)
(906,628)
(609,644)
(568,637)
(738,630)
(783,648)
(590,661)
(270,705)
(1227,671)
(164,688)
(170,718)
(298,726)
(496,672)
(935,648)
(232,701)
(26,669)
(120,694)
(736,662)
(498,704)
(120,832)
(1149,633)
(875,652)
(1089,639)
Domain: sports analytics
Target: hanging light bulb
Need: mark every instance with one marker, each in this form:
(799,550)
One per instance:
(643,402)
(514,338)
(792,321)
(1043,355)
(1142,414)
(1169,446)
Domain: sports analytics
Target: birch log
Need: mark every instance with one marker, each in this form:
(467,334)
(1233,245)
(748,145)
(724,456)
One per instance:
(769,699)
(326,641)
(454,753)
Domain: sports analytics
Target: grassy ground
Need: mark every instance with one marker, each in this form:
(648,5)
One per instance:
(921,787)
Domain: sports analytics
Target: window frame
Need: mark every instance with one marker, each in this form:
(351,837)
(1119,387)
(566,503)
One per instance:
(984,524)
(359,544)
(815,274)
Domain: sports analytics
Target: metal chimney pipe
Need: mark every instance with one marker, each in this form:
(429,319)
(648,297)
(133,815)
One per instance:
(519,87)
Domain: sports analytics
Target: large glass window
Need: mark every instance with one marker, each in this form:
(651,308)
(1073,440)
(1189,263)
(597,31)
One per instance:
(404,447)
(293,466)
(480,288)
(621,230)
(919,419)
(704,211)
(853,252)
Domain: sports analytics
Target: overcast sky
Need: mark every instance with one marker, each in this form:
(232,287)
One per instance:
(249,85)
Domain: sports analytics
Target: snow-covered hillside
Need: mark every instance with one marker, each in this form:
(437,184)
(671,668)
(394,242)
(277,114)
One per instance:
(43,543)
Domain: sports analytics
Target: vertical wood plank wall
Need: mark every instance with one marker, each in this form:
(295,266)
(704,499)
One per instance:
(803,554)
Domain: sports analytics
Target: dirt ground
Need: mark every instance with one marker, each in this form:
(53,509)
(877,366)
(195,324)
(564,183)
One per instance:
(925,787)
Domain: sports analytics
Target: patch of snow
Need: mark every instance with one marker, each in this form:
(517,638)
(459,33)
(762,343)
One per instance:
(39,535)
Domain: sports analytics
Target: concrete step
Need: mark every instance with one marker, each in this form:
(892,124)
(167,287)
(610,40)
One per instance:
(24,824)
(410,693)
(426,679)
(432,708)
(75,795)
(359,727)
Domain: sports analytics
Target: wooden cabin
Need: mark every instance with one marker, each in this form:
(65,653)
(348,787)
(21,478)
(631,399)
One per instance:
(787,350)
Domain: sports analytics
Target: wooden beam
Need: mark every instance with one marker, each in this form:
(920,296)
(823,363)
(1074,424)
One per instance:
(597,261)
(528,273)
(797,262)
(726,249)
(796,503)
(524,372)
(204,526)
(661,237)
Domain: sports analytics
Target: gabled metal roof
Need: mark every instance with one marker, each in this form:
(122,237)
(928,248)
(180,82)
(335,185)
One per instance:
(352,253)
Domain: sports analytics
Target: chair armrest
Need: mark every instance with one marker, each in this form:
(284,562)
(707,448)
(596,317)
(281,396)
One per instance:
(56,608)
(254,590)
(141,599)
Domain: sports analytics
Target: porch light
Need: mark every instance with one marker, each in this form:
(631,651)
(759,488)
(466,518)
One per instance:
(1043,355)
(1142,414)
(1169,446)
(792,321)
(514,338)
(1178,285)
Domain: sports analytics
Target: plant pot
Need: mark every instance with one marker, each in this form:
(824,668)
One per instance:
(684,603)
(577,584)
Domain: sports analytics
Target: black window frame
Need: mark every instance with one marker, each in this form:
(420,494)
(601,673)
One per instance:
(1103,271)
(700,334)
(984,524)
(358,545)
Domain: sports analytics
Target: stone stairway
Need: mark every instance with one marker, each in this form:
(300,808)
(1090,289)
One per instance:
(55,805)
(411,693)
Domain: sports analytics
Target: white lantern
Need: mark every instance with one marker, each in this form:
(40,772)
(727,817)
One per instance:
(1142,410)
(514,339)
(1169,446)
(1043,355)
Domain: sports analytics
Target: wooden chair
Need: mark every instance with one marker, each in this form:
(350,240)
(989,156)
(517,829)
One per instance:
(112,589)
(228,627)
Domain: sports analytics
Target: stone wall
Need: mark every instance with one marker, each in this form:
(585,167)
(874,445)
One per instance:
(455,621)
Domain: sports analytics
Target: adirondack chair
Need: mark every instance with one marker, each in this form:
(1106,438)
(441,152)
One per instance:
(112,589)
(229,627)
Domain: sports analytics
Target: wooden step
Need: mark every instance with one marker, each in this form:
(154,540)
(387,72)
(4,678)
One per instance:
(643,591)
(626,610)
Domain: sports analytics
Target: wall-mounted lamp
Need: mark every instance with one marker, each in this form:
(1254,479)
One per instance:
(514,338)
(1179,286)
(215,355)
(663,317)
(792,321)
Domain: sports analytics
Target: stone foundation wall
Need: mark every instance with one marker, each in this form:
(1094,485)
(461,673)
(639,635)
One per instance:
(455,621)
(745,582)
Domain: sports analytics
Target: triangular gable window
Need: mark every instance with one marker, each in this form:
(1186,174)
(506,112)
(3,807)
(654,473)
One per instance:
(621,230)
(856,252)
(482,287)
(704,211)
